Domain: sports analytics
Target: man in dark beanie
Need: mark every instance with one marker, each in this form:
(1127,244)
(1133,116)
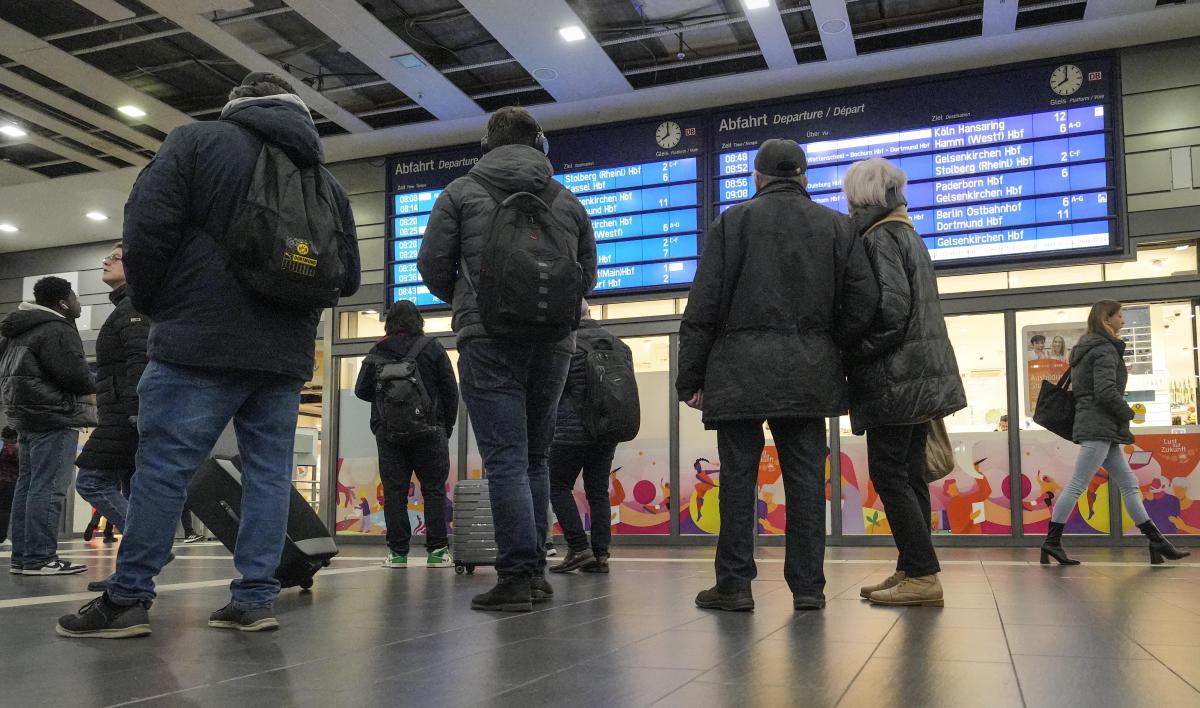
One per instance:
(220,348)
(411,439)
(782,289)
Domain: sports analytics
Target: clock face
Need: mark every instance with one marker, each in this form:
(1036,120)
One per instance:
(668,134)
(1066,79)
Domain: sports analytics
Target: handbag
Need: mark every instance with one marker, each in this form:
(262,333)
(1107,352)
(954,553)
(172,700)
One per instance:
(1055,410)
(939,453)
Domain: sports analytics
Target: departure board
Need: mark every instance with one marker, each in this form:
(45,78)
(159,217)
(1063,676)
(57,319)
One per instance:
(1007,165)
(641,184)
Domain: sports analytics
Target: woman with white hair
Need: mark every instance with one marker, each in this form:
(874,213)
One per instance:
(902,375)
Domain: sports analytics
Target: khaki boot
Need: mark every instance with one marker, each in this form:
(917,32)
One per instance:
(892,581)
(925,590)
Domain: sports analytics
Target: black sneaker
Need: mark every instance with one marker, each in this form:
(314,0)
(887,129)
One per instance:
(728,600)
(540,590)
(574,561)
(808,602)
(57,566)
(261,619)
(511,594)
(98,585)
(599,565)
(103,619)
(15,570)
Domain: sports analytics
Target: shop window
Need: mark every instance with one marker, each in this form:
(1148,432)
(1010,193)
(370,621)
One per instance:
(1155,263)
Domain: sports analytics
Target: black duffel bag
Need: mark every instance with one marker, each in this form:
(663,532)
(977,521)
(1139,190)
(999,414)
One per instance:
(1055,410)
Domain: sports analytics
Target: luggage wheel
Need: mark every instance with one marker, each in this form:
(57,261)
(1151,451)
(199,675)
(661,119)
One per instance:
(460,569)
(306,584)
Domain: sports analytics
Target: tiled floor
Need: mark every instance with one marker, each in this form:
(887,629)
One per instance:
(1112,632)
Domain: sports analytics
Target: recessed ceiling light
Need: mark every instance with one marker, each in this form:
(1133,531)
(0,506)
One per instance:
(755,4)
(834,26)
(572,33)
(12,131)
(8,228)
(132,111)
(409,61)
(96,216)
(1184,247)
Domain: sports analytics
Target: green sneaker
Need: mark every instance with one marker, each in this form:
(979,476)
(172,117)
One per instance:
(395,560)
(440,558)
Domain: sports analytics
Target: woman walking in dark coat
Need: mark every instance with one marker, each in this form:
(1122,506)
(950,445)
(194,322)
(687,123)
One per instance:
(902,375)
(1098,378)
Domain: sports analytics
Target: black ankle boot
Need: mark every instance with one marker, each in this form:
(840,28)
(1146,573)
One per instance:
(1160,547)
(1052,546)
(511,594)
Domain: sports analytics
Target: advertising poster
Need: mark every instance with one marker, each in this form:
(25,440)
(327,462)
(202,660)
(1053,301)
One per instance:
(1047,355)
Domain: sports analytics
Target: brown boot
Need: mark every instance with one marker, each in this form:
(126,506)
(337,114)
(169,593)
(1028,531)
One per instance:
(892,581)
(925,590)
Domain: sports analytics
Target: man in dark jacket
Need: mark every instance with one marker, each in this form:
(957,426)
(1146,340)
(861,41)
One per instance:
(782,288)
(427,454)
(10,470)
(217,352)
(45,388)
(574,450)
(106,463)
(511,386)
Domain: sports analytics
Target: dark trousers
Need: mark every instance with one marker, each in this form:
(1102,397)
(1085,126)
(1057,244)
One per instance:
(185,520)
(595,461)
(896,460)
(802,447)
(6,500)
(429,458)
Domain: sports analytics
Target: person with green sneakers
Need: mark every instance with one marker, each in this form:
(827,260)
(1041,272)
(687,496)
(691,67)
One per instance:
(409,381)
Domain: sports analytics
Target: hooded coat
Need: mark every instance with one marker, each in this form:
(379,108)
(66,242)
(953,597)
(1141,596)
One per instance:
(45,384)
(461,218)
(178,273)
(1098,378)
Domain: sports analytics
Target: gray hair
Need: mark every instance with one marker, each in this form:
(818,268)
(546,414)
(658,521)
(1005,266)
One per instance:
(868,183)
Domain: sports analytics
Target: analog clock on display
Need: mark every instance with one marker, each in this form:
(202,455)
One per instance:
(668,134)
(1066,79)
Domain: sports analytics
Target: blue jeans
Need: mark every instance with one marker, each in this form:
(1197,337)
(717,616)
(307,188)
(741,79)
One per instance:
(182,413)
(1093,454)
(511,389)
(47,462)
(102,489)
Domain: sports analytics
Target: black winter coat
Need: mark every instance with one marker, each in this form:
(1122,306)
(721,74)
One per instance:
(782,288)
(177,272)
(568,429)
(904,370)
(437,374)
(1098,378)
(45,384)
(461,218)
(120,360)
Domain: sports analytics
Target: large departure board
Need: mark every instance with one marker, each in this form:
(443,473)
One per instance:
(641,184)
(1006,165)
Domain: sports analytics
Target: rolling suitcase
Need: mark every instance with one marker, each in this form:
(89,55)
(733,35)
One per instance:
(215,496)
(474,534)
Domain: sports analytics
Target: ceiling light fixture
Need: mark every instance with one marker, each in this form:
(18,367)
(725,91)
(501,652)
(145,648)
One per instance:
(571,33)
(12,131)
(132,111)
(755,4)
(96,216)
(1183,247)
(409,61)
(8,228)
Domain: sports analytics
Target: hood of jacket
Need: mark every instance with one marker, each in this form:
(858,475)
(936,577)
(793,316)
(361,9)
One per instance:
(515,168)
(1090,341)
(26,318)
(281,120)
(867,217)
(398,344)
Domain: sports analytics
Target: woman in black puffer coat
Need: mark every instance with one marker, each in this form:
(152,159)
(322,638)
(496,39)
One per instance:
(1098,378)
(902,375)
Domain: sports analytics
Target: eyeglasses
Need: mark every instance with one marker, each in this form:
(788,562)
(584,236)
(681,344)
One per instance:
(109,259)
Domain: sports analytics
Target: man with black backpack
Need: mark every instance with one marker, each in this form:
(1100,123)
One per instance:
(513,251)
(409,382)
(236,238)
(599,408)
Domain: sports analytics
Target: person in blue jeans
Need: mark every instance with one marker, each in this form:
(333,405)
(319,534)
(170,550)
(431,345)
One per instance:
(510,385)
(46,391)
(218,352)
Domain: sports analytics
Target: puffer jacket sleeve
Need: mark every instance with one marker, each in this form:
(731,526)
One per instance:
(364,388)
(133,334)
(587,247)
(441,247)
(447,388)
(155,217)
(859,298)
(348,247)
(1104,383)
(61,358)
(895,295)
(702,319)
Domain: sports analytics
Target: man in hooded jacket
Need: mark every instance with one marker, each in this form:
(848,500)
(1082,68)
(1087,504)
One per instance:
(217,353)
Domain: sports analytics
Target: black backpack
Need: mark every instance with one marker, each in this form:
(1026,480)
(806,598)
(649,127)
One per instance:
(530,281)
(283,241)
(611,411)
(405,407)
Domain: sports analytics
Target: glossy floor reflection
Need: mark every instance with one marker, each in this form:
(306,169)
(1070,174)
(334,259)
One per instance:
(1112,632)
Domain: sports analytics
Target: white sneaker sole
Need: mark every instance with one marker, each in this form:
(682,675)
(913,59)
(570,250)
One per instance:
(394,566)
(137,630)
(443,564)
(41,571)
(263,625)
